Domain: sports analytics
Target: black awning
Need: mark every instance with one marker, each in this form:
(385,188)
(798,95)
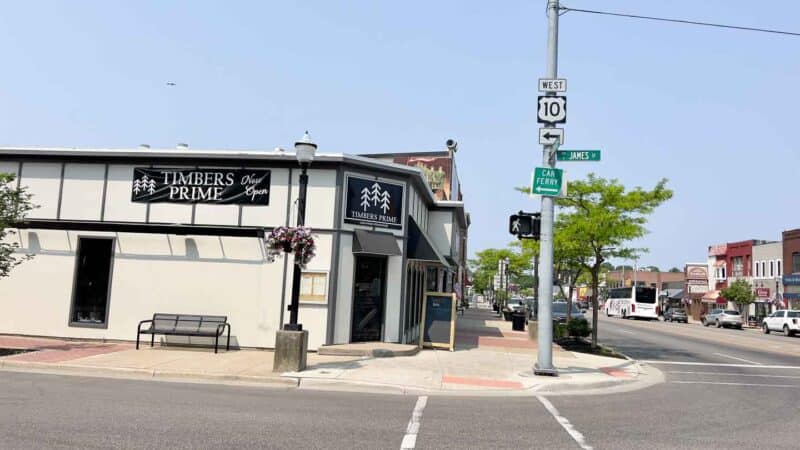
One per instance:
(419,247)
(373,243)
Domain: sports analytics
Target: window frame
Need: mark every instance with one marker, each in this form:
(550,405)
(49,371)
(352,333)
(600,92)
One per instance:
(75,324)
(309,298)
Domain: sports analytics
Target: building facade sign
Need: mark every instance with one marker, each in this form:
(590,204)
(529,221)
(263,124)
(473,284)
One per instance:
(762,292)
(697,273)
(791,280)
(697,288)
(373,202)
(718,250)
(215,186)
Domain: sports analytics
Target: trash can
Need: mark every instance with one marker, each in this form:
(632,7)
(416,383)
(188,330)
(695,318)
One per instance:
(518,321)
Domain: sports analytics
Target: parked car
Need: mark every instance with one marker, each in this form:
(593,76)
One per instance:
(560,312)
(675,315)
(784,320)
(723,318)
(514,304)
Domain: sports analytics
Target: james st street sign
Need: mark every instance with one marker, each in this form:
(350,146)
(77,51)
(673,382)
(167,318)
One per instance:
(578,155)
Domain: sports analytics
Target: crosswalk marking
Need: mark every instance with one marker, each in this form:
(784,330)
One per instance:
(412,429)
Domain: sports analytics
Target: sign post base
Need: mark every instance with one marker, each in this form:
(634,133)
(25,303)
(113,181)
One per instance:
(544,372)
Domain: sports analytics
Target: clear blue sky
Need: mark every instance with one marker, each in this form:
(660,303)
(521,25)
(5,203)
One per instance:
(713,110)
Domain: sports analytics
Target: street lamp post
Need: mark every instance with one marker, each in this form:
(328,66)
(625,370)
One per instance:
(304,152)
(505,270)
(291,342)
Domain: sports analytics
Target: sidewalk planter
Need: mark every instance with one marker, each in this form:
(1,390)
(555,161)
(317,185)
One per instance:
(518,321)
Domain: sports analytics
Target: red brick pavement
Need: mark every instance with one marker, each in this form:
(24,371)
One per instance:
(56,350)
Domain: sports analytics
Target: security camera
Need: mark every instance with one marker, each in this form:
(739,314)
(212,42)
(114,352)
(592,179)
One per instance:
(452,145)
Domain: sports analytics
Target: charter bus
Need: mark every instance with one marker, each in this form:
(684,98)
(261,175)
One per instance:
(628,302)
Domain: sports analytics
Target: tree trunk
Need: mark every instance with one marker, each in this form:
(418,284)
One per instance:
(595,308)
(569,303)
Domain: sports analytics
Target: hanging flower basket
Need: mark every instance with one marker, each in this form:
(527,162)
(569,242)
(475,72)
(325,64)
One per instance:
(291,240)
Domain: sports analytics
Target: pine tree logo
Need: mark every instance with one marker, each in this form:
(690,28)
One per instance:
(144,184)
(384,201)
(376,193)
(365,198)
(374,196)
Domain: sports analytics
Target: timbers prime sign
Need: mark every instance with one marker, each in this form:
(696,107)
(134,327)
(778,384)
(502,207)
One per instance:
(216,186)
(372,202)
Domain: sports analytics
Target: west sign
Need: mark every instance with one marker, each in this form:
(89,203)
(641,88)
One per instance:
(374,202)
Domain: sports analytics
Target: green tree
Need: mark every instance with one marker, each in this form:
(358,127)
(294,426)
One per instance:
(603,217)
(484,267)
(653,269)
(741,293)
(675,270)
(569,260)
(14,205)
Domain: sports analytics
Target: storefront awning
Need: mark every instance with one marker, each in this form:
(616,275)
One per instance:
(420,248)
(710,297)
(374,243)
(719,263)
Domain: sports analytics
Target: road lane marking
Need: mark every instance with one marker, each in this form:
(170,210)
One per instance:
(575,434)
(412,429)
(686,372)
(625,331)
(738,359)
(688,363)
(738,384)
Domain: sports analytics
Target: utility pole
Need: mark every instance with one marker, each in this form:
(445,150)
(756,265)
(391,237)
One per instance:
(544,362)
(536,283)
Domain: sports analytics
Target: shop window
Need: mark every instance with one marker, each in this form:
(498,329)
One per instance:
(779,264)
(314,287)
(738,266)
(431,279)
(758,269)
(795,262)
(772,269)
(92,282)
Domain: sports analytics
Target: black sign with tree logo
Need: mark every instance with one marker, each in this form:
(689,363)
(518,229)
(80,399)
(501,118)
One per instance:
(372,202)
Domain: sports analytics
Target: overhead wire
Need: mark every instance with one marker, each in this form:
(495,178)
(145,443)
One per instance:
(567,9)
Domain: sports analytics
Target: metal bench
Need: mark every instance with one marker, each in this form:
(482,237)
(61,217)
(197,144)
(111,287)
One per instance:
(185,325)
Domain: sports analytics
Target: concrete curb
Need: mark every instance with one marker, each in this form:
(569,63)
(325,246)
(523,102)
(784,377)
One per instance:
(133,373)
(372,353)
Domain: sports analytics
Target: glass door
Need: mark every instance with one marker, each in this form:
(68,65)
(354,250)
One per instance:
(369,292)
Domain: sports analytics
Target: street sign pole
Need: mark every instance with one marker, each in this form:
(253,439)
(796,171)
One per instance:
(544,361)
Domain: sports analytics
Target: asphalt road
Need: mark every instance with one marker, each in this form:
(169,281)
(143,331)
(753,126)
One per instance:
(724,389)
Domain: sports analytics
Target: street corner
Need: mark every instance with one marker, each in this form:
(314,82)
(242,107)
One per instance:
(627,376)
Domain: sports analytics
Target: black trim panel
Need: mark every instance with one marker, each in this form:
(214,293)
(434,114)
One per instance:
(133,227)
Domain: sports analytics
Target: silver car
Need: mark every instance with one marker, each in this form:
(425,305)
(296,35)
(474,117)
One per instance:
(723,318)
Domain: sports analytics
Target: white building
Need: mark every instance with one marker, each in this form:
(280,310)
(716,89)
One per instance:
(121,234)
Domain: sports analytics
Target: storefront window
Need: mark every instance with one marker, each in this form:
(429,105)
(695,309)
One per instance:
(92,282)
(738,266)
(432,279)
(795,262)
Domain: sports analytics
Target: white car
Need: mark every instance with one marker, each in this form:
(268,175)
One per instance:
(784,320)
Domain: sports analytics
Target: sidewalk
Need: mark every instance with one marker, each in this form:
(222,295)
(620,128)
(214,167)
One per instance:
(489,359)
